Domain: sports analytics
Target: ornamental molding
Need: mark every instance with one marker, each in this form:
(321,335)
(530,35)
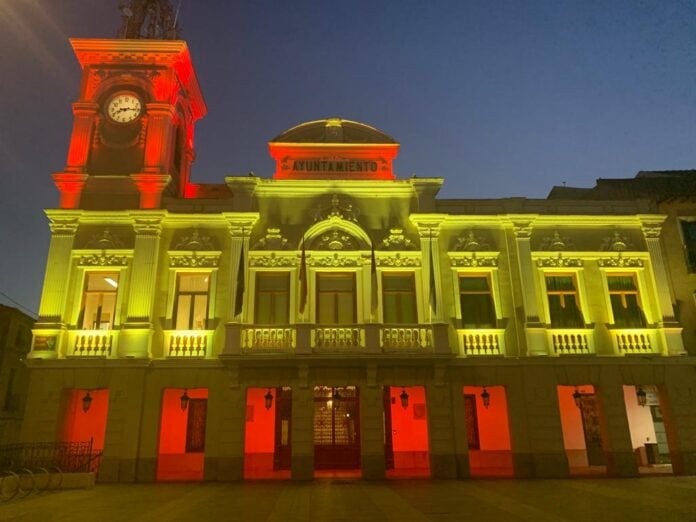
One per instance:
(396,240)
(616,243)
(103,259)
(470,242)
(335,240)
(273,240)
(559,262)
(273,260)
(523,229)
(475,259)
(620,261)
(194,259)
(335,260)
(335,210)
(105,240)
(399,260)
(651,231)
(556,243)
(194,241)
(63,228)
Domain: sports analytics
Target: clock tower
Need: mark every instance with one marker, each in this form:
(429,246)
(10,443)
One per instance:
(133,133)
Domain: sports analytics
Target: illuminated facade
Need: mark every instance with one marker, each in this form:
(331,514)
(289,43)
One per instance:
(334,318)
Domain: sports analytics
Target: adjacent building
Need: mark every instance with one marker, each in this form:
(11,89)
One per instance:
(334,318)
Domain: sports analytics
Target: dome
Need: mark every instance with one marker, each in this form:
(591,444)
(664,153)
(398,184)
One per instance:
(333,130)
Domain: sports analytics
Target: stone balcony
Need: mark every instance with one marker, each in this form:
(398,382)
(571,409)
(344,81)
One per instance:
(92,343)
(571,341)
(188,344)
(481,342)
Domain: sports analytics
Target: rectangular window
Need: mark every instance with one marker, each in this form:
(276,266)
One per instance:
(272,298)
(99,301)
(191,302)
(399,299)
(476,302)
(623,294)
(564,309)
(336,302)
(689,235)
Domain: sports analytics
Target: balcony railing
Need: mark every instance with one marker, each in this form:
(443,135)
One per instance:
(92,343)
(405,337)
(338,337)
(634,340)
(269,338)
(571,341)
(188,343)
(483,341)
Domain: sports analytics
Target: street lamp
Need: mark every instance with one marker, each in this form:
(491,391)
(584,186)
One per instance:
(404,398)
(184,400)
(87,402)
(268,399)
(485,397)
(641,396)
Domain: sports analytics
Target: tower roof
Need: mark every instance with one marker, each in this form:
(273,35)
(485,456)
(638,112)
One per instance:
(333,130)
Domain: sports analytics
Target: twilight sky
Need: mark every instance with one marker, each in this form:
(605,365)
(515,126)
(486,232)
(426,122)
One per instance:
(501,98)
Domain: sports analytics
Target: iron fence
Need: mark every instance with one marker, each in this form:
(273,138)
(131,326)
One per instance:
(69,457)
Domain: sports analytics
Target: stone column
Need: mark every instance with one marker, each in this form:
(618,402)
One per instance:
(86,115)
(535,333)
(302,433)
(535,425)
(616,432)
(443,461)
(50,328)
(670,329)
(136,334)
(372,432)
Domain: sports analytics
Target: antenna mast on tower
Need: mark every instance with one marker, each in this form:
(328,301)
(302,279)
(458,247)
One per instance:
(153,19)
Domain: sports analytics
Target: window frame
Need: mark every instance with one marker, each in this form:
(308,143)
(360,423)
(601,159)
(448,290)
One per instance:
(493,284)
(690,267)
(381,274)
(356,294)
(290,297)
(173,287)
(638,277)
(578,284)
(80,289)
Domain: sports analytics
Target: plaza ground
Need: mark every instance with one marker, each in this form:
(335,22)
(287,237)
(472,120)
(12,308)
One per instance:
(664,499)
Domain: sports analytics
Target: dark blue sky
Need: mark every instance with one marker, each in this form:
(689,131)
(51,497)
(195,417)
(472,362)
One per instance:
(501,98)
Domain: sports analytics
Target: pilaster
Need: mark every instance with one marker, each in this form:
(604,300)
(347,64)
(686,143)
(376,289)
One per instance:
(372,432)
(429,232)
(239,228)
(136,334)
(535,333)
(302,436)
(160,138)
(443,461)
(678,405)
(83,127)
(461,438)
(616,432)
(670,328)
(50,327)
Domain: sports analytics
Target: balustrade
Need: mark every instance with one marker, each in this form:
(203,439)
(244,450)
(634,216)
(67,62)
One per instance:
(92,343)
(187,343)
(405,337)
(338,337)
(574,341)
(636,340)
(269,338)
(481,342)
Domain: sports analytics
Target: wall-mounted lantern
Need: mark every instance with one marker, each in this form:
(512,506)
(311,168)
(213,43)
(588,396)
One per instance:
(184,400)
(577,397)
(268,399)
(87,402)
(404,398)
(641,396)
(486,398)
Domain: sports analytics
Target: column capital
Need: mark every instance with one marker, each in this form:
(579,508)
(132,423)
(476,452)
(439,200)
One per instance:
(522,226)
(651,225)
(82,108)
(70,186)
(241,225)
(63,223)
(148,223)
(150,187)
(428,224)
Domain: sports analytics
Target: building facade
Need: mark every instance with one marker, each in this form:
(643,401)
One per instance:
(335,319)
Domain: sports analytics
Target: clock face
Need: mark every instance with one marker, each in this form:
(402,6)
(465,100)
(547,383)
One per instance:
(124,107)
